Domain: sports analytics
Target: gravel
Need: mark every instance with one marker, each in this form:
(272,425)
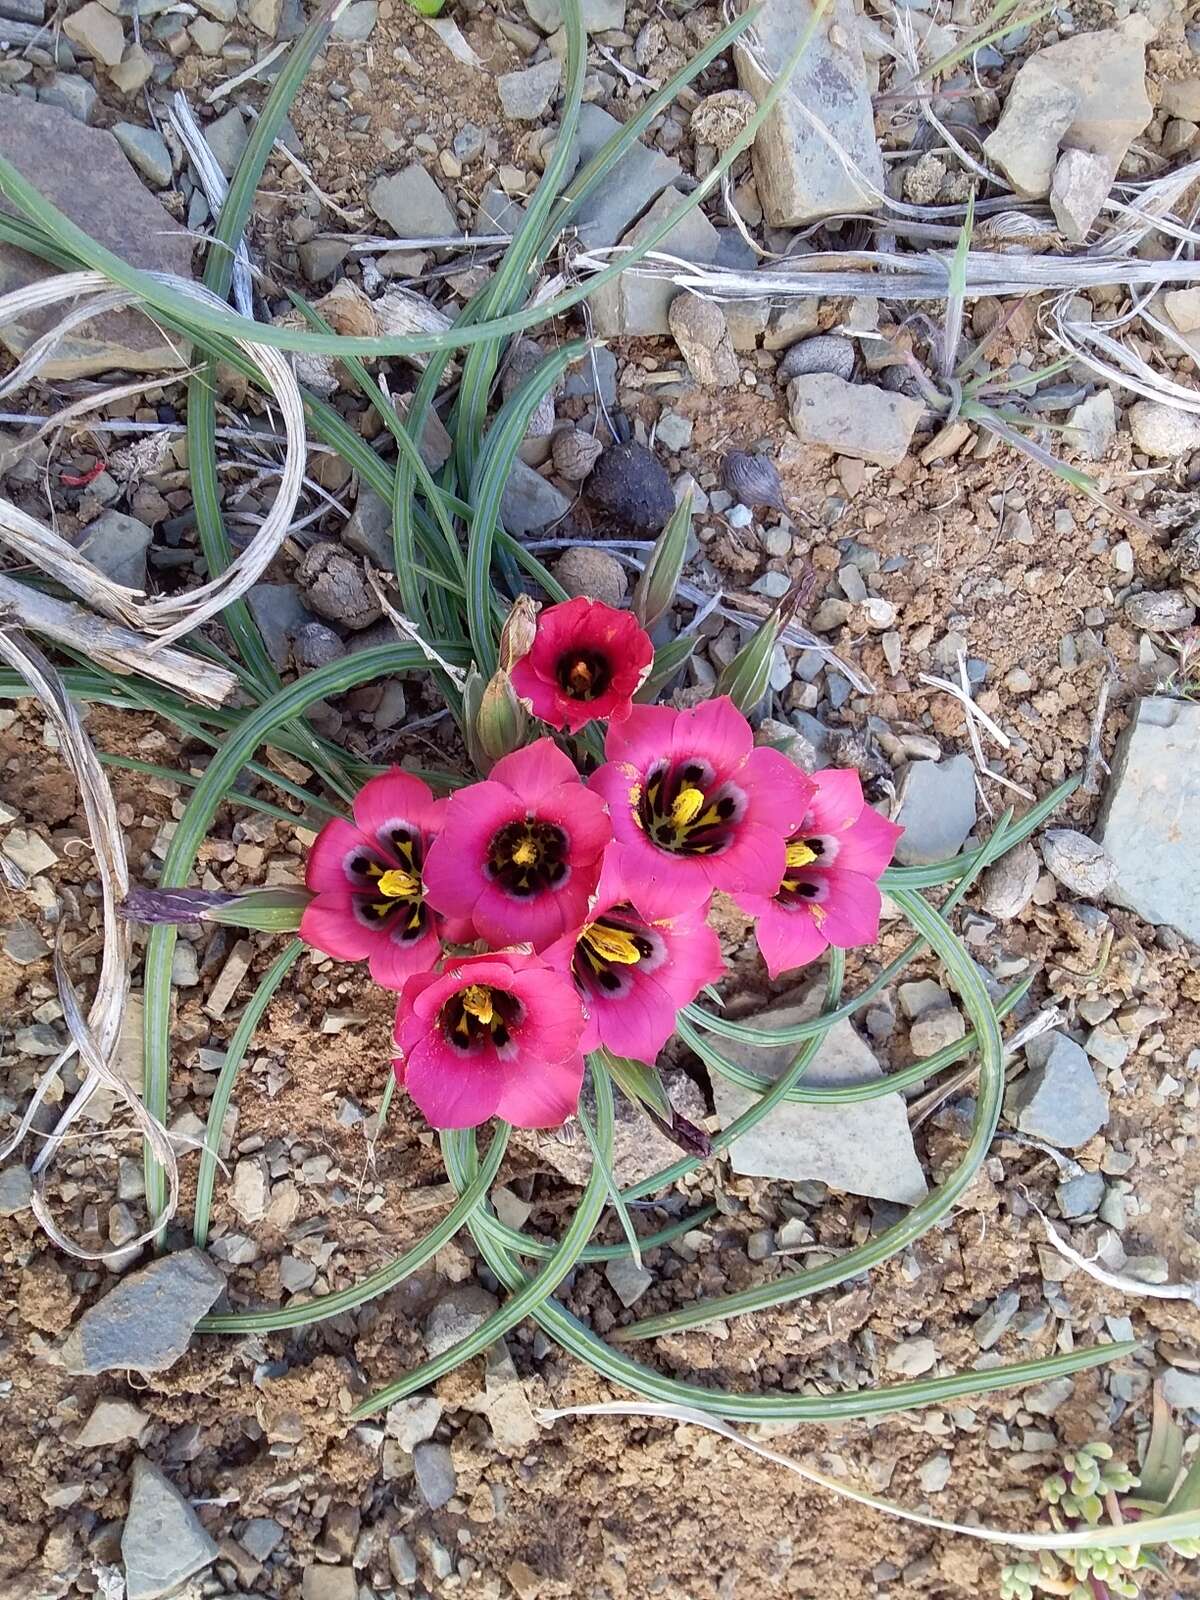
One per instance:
(433,1468)
(1058,1099)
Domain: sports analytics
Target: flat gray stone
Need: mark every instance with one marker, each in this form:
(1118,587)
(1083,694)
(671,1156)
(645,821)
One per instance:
(147,150)
(24,944)
(1092,425)
(16,1190)
(433,1468)
(627,1280)
(1058,1099)
(51,149)
(527,95)
(227,137)
(412,205)
(145,1322)
(111,1422)
(937,810)
(1150,821)
(369,531)
(413,1420)
(458,1314)
(853,419)
(863,1148)
(1181,1389)
(598,15)
(117,545)
(636,305)
(498,212)
(530,502)
(279,611)
(1077,862)
(70,92)
(800,178)
(633,184)
(164,1542)
(1080,1196)
(357,23)
(1079,188)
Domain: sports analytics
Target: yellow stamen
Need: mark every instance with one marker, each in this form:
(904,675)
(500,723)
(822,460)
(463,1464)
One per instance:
(580,678)
(612,944)
(526,853)
(799,854)
(689,803)
(398,885)
(478,1001)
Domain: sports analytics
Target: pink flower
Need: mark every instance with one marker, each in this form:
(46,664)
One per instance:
(586,662)
(636,968)
(491,1036)
(695,807)
(828,894)
(519,854)
(370,899)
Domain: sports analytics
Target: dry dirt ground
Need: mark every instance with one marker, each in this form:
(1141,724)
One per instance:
(600,1509)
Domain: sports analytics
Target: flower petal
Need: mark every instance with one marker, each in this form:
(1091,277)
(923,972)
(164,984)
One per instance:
(837,801)
(393,961)
(643,738)
(544,1098)
(449,1090)
(395,796)
(532,771)
(787,937)
(848,915)
(780,795)
(329,924)
(715,729)
(453,870)
(339,841)
(868,846)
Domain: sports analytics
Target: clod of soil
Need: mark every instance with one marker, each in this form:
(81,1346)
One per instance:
(630,483)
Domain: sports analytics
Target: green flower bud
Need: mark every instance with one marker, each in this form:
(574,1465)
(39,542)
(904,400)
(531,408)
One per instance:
(655,589)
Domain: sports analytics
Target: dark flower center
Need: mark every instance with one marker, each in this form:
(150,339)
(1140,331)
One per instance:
(393,895)
(684,809)
(801,854)
(528,857)
(607,949)
(584,674)
(480,1015)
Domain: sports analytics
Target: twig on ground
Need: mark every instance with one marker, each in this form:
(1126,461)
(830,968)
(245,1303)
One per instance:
(1119,1281)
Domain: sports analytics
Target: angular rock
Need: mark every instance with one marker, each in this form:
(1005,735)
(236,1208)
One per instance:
(800,177)
(1181,1389)
(147,150)
(369,531)
(530,502)
(71,92)
(1162,430)
(526,96)
(509,1413)
(117,545)
(1007,886)
(853,419)
(163,1542)
(1079,188)
(1150,820)
(412,205)
(433,1468)
(1183,308)
(111,1422)
(937,810)
(51,148)
(328,1583)
(862,1148)
(1092,425)
(639,1149)
(357,23)
(1081,1195)
(1078,863)
(1058,1099)
(637,305)
(627,1280)
(145,1321)
(227,137)
(280,612)
(1161,611)
(97,32)
(457,1314)
(413,1420)
(16,1190)
(638,179)
(1086,92)
(912,1357)
(598,15)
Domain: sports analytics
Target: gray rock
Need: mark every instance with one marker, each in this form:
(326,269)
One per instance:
(413,1420)
(227,137)
(1092,425)
(593,377)
(469,143)
(1181,1389)
(937,810)
(530,502)
(627,1280)
(24,944)
(996,1318)
(51,149)
(111,1422)
(433,1468)
(163,1542)
(911,1357)
(1007,886)
(70,92)
(497,212)
(825,352)
(853,419)
(261,1536)
(402,1560)
(1162,430)
(1160,611)
(1058,1099)
(526,96)
(369,531)
(1080,1196)
(147,150)
(637,179)
(1078,863)
(145,1321)
(1079,188)
(357,23)
(1049,1397)
(328,1583)
(598,15)
(458,1313)
(935,1029)
(933,1475)
(1087,91)
(117,545)
(637,306)
(97,33)
(320,258)
(16,1190)
(800,176)
(1150,820)
(862,1148)
(639,1149)
(32,12)
(699,328)
(280,612)
(412,205)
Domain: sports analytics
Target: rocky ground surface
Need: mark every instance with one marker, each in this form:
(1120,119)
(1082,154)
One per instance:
(147,1461)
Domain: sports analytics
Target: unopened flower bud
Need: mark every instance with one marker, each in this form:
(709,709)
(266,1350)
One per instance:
(501,721)
(266,910)
(655,591)
(518,632)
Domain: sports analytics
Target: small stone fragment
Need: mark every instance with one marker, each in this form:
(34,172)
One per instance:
(1007,886)
(1079,863)
(116,545)
(937,810)
(145,1321)
(250,1191)
(627,1280)
(1162,611)
(24,944)
(1162,430)
(147,150)
(824,352)
(163,1542)
(585,571)
(853,419)
(328,1583)
(1181,1389)
(436,1478)
(637,179)
(357,22)
(413,205)
(996,1318)
(413,1420)
(1080,1196)
(637,304)
(1058,1099)
(457,1314)
(1092,425)
(28,850)
(526,96)
(1080,187)
(702,334)
(935,1029)
(336,588)
(97,32)
(16,1190)
(1183,308)
(530,503)
(111,1422)
(911,1357)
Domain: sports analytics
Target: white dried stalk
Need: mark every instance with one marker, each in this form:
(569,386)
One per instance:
(1119,1281)
(224,90)
(409,630)
(1124,365)
(95,401)
(95,1037)
(168,618)
(42,350)
(216,190)
(113,646)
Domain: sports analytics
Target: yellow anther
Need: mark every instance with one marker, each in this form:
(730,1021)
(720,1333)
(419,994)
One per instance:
(396,884)
(689,803)
(612,944)
(799,854)
(526,853)
(478,1001)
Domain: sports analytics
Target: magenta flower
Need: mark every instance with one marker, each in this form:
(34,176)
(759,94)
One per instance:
(828,893)
(519,854)
(695,807)
(635,968)
(369,903)
(586,662)
(491,1036)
